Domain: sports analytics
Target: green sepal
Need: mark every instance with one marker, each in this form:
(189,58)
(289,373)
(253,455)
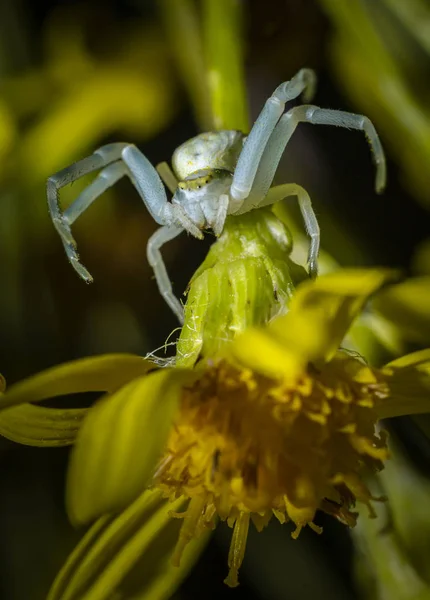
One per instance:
(245,280)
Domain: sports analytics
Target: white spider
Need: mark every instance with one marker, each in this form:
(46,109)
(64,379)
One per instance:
(214,175)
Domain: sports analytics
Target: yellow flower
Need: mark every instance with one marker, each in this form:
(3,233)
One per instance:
(281,423)
(246,447)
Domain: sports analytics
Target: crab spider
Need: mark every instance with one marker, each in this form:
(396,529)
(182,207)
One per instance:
(214,175)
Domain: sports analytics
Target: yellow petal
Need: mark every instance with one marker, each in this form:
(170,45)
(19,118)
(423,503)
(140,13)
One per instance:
(128,555)
(419,359)
(119,444)
(262,352)
(320,314)
(40,426)
(407,304)
(408,379)
(323,310)
(104,373)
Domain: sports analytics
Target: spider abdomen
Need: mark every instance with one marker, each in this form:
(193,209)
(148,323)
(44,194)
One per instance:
(208,151)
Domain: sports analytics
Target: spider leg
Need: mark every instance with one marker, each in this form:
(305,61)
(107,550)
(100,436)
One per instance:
(147,182)
(118,160)
(62,221)
(261,196)
(317,116)
(255,143)
(104,180)
(280,192)
(160,237)
(325,116)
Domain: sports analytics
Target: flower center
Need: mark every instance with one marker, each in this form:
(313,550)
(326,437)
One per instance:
(245,447)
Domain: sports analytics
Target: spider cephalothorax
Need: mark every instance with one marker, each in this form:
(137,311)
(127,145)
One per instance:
(214,174)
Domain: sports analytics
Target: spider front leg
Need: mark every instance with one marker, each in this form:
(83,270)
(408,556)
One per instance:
(119,160)
(122,159)
(322,116)
(105,155)
(260,195)
(282,134)
(303,82)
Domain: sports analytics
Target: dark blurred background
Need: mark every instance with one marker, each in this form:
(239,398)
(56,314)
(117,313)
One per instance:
(76,75)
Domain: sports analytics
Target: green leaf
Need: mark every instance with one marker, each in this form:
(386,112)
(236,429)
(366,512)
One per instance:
(128,556)
(39,426)
(105,373)
(120,442)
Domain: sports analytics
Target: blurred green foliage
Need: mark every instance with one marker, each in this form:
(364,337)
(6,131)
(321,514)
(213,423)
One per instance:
(393,550)
(380,56)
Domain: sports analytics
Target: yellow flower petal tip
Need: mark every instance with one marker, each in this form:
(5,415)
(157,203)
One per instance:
(322,311)
(348,282)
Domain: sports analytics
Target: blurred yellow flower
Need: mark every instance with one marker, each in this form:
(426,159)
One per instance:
(279,423)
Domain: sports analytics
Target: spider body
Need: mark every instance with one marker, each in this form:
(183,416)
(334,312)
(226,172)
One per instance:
(200,196)
(214,174)
(207,151)
(204,166)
